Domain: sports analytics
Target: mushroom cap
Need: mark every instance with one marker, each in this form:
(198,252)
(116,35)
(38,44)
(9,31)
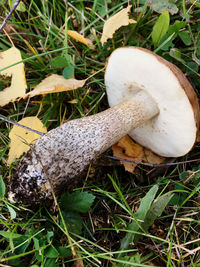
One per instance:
(173,132)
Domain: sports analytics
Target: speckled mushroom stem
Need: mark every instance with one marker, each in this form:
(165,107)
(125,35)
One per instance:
(63,153)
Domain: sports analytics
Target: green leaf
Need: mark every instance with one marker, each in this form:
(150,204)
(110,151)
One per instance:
(156,210)
(185,37)
(2,187)
(144,207)
(64,252)
(49,235)
(36,243)
(175,28)
(160,28)
(51,252)
(12,212)
(73,221)
(68,72)
(59,62)
(21,243)
(50,262)
(9,235)
(38,255)
(77,201)
(163,5)
(166,41)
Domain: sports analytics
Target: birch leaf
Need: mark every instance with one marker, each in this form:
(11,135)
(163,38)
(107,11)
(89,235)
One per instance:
(127,149)
(21,139)
(115,22)
(18,80)
(55,84)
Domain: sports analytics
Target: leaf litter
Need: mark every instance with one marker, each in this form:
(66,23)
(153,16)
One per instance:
(21,139)
(115,22)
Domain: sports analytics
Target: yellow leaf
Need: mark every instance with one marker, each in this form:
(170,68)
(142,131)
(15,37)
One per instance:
(132,149)
(55,84)
(115,22)
(80,38)
(127,149)
(18,80)
(21,139)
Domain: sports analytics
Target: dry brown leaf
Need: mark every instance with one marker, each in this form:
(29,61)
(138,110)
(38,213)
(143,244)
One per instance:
(119,153)
(131,149)
(21,139)
(115,22)
(18,80)
(127,149)
(151,157)
(55,84)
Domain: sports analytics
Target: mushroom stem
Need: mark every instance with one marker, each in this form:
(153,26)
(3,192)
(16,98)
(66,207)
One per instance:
(64,152)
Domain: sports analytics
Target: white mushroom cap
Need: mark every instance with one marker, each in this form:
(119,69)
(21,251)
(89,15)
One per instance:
(173,132)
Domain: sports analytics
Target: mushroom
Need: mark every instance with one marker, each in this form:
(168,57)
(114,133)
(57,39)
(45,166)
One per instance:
(150,99)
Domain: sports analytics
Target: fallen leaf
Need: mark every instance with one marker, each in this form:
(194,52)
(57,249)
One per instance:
(55,84)
(126,148)
(115,22)
(151,157)
(18,80)
(80,38)
(132,149)
(21,139)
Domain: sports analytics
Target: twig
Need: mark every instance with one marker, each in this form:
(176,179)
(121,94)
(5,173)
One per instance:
(9,14)
(20,125)
(150,164)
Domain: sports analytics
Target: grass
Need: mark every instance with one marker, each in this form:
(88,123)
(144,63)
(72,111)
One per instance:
(44,237)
